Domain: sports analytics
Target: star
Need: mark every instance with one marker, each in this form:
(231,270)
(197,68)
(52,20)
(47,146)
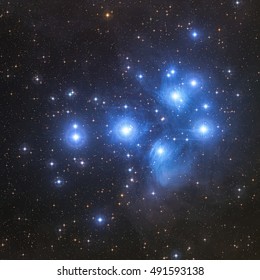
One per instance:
(71,93)
(59,182)
(160,151)
(99,220)
(203,129)
(176,96)
(194,34)
(177,99)
(24,149)
(51,164)
(126,130)
(170,73)
(194,83)
(75,136)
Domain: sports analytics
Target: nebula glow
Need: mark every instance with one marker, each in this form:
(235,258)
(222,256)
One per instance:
(168,164)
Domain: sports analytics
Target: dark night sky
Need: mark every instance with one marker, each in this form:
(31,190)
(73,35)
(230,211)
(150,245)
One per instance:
(130,129)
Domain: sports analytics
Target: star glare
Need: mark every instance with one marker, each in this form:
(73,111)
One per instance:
(204,130)
(71,93)
(24,149)
(170,73)
(126,130)
(193,83)
(160,151)
(59,182)
(176,96)
(99,220)
(177,99)
(51,164)
(194,34)
(176,255)
(75,136)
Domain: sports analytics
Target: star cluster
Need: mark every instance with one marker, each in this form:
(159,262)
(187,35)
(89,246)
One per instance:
(129,130)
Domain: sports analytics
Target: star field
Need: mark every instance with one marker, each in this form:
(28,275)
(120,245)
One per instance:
(129,130)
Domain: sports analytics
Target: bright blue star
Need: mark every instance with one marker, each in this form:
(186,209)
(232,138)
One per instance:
(170,73)
(173,96)
(51,164)
(71,93)
(24,149)
(126,130)
(194,34)
(203,130)
(193,83)
(205,106)
(59,182)
(99,220)
(75,136)
(177,98)
(160,151)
